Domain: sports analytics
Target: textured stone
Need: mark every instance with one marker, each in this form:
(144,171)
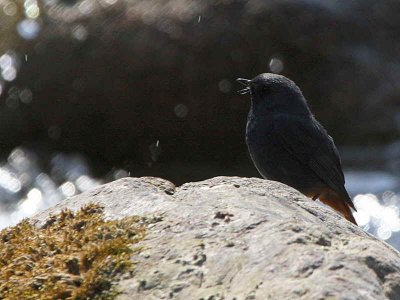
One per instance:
(243,238)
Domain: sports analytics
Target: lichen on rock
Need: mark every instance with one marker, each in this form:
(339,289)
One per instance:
(72,256)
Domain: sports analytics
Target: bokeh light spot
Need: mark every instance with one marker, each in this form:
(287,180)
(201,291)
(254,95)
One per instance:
(120,173)
(9,181)
(12,102)
(86,7)
(10,9)
(6,61)
(384,233)
(276,65)
(28,29)
(19,160)
(32,10)
(108,2)
(80,33)
(225,86)
(9,74)
(68,189)
(32,203)
(85,183)
(26,96)
(181,110)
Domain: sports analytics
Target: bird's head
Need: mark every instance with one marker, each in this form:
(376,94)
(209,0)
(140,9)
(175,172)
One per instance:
(274,93)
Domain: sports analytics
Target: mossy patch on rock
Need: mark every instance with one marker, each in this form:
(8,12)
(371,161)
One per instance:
(73,256)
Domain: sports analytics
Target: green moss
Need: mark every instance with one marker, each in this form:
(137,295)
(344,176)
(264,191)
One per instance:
(73,256)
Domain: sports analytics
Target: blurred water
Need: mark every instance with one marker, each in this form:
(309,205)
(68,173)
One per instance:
(30,183)
(26,187)
(377,199)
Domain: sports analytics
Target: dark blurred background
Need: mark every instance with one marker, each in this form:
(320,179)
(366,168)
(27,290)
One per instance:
(95,90)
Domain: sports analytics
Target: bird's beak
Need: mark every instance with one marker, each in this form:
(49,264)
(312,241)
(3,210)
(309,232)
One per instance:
(246,83)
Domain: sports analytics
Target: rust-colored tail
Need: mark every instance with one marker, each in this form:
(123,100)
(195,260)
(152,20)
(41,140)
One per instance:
(332,199)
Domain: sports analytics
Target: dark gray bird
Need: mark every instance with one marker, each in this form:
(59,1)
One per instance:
(287,144)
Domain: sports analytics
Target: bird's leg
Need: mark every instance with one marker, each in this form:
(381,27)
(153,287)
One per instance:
(316,196)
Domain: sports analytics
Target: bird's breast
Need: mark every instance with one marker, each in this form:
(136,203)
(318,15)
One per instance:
(267,153)
(258,130)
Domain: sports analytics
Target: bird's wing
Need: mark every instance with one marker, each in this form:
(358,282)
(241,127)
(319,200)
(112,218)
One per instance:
(309,142)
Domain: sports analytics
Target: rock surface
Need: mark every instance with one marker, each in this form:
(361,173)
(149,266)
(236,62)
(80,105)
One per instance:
(243,238)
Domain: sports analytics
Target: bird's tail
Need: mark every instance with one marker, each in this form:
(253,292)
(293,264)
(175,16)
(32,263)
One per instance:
(337,203)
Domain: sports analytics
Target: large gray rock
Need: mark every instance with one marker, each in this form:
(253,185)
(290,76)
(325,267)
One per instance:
(243,238)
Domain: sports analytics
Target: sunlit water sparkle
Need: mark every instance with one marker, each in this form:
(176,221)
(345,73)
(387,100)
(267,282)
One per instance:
(26,188)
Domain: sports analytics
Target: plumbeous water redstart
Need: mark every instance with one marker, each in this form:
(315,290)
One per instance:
(287,144)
